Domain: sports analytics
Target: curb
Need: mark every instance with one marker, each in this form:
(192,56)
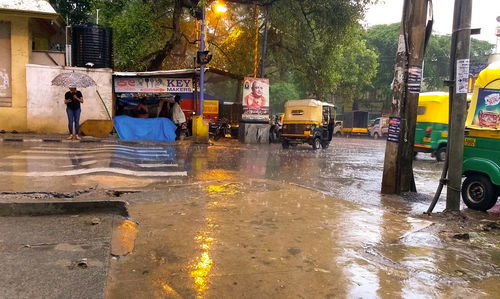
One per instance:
(63,208)
(52,139)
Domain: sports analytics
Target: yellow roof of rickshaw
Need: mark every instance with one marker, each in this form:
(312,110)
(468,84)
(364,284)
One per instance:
(435,96)
(488,75)
(489,80)
(307,102)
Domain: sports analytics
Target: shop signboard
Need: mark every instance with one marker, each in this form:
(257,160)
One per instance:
(153,84)
(255,99)
(210,107)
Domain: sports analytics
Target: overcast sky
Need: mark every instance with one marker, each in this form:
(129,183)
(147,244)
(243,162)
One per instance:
(484,13)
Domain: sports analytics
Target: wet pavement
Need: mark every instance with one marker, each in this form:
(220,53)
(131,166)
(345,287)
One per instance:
(252,221)
(57,256)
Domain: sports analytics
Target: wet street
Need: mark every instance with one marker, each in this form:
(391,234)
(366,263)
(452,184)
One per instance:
(351,169)
(247,221)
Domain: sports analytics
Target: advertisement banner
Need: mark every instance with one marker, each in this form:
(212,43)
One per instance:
(210,107)
(255,99)
(153,84)
(487,112)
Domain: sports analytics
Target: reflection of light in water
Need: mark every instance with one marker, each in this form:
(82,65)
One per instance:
(225,189)
(215,174)
(168,290)
(203,263)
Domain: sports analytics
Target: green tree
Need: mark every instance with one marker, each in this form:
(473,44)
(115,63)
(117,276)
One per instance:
(280,92)
(74,11)
(384,39)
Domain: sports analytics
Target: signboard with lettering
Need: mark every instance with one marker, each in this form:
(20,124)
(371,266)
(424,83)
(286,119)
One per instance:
(210,107)
(153,84)
(394,132)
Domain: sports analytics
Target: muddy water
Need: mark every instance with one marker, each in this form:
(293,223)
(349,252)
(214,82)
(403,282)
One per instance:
(261,239)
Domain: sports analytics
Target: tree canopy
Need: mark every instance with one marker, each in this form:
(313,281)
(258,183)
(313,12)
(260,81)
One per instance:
(383,39)
(314,45)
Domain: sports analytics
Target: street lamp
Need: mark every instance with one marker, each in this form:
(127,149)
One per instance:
(202,65)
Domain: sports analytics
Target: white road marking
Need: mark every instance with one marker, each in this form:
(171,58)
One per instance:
(157,165)
(74,172)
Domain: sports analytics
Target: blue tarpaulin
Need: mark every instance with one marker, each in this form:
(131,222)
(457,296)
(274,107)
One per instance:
(153,129)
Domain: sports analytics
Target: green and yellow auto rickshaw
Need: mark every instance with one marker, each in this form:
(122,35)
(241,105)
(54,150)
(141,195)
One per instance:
(431,132)
(481,161)
(308,121)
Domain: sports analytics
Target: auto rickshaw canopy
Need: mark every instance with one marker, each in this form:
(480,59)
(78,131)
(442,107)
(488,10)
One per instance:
(484,110)
(433,107)
(305,111)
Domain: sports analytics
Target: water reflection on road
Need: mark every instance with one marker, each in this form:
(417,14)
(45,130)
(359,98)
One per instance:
(350,169)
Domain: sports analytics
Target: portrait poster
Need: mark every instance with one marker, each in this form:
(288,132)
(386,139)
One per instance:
(255,99)
(487,109)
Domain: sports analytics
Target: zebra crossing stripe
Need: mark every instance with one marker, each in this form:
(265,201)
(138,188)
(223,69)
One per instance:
(74,172)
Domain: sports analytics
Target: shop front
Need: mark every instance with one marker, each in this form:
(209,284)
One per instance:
(151,95)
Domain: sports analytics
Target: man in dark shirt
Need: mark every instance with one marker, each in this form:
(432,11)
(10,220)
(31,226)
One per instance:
(73,98)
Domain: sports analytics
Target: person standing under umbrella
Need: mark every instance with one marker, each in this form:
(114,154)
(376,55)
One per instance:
(73,98)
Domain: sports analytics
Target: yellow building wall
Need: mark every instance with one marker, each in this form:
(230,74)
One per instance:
(14,117)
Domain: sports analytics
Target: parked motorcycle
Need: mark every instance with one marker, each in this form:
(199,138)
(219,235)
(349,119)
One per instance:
(182,131)
(219,129)
(276,128)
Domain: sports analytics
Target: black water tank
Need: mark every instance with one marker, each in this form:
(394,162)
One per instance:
(92,44)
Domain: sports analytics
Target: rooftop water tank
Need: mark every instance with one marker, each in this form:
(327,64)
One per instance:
(92,46)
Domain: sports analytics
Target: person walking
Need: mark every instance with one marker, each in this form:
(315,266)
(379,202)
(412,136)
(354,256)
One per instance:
(178,117)
(73,98)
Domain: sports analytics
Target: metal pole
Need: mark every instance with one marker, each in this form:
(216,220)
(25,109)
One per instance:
(459,76)
(202,66)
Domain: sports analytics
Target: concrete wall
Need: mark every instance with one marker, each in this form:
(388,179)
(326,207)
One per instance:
(14,117)
(42,58)
(46,111)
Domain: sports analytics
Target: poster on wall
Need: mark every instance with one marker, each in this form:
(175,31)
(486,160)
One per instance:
(153,84)
(487,113)
(255,99)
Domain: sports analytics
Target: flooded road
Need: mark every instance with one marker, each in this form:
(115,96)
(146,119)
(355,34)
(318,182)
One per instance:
(248,221)
(350,169)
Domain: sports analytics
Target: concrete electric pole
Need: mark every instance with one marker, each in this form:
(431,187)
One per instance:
(459,79)
(398,163)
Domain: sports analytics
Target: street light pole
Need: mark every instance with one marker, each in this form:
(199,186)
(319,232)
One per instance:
(202,65)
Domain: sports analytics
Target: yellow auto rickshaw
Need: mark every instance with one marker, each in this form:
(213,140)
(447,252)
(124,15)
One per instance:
(308,121)
(431,133)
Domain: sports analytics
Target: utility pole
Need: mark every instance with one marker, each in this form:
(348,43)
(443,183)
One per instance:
(459,77)
(398,163)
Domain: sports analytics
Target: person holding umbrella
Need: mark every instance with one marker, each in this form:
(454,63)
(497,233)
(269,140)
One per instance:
(73,98)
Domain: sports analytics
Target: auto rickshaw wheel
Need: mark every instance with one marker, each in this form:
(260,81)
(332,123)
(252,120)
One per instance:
(285,144)
(325,144)
(441,154)
(375,135)
(316,143)
(478,193)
